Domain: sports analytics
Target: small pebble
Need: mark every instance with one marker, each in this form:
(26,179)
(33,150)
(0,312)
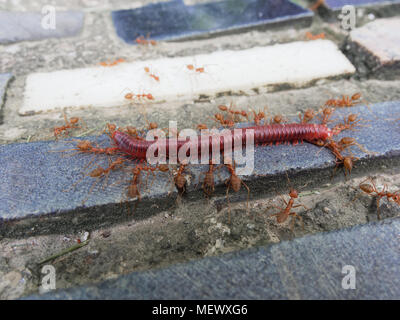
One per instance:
(106,234)
(326,210)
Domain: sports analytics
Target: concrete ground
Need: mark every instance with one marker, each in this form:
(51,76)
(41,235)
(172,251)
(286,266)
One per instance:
(188,230)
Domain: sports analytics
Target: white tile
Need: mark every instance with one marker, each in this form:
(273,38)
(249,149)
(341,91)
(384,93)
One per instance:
(295,63)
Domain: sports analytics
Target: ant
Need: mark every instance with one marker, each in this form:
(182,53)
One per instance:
(258,116)
(131,96)
(235,183)
(100,172)
(278,119)
(71,124)
(179,179)
(308,115)
(345,101)
(208,183)
(348,124)
(336,149)
(310,36)
(218,117)
(151,75)
(111,64)
(370,189)
(234,113)
(284,213)
(191,67)
(326,114)
(202,126)
(145,41)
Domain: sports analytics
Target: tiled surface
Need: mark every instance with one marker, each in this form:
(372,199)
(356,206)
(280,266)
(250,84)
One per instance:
(305,268)
(294,64)
(380,41)
(33,186)
(173,20)
(4,79)
(21,26)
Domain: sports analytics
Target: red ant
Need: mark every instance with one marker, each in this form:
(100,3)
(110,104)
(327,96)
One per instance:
(202,126)
(111,64)
(218,117)
(192,67)
(100,172)
(145,41)
(179,179)
(131,96)
(284,213)
(71,124)
(258,117)
(310,36)
(208,183)
(147,70)
(308,115)
(371,189)
(235,183)
(348,124)
(326,114)
(235,114)
(278,119)
(345,101)
(336,149)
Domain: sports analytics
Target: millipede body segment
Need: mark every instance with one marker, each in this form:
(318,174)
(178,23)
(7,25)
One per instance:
(263,134)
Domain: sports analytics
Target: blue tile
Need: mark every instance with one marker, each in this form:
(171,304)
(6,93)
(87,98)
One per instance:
(173,20)
(21,26)
(4,79)
(338,4)
(33,178)
(305,268)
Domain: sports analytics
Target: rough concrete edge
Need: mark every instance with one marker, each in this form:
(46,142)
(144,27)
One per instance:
(3,97)
(367,63)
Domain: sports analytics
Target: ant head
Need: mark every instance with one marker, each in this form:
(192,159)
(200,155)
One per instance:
(293,193)
(347,141)
(352,117)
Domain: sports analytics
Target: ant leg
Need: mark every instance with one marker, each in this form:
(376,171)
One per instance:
(229,204)
(378,207)
(301,205)
(248,196)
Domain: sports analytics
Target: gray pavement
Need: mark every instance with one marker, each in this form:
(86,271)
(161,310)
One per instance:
(313,267)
